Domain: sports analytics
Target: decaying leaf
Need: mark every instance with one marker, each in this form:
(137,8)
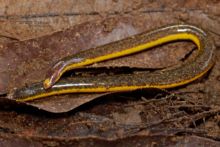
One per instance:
(28,61)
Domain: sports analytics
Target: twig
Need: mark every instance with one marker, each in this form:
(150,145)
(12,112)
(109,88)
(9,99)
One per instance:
(190,106)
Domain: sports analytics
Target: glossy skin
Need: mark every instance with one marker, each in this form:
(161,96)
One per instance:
(186,73)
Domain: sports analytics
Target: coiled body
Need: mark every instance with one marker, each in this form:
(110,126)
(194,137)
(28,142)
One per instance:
(186,73)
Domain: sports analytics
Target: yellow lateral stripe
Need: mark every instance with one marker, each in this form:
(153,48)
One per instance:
(113,89)
(169,38)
